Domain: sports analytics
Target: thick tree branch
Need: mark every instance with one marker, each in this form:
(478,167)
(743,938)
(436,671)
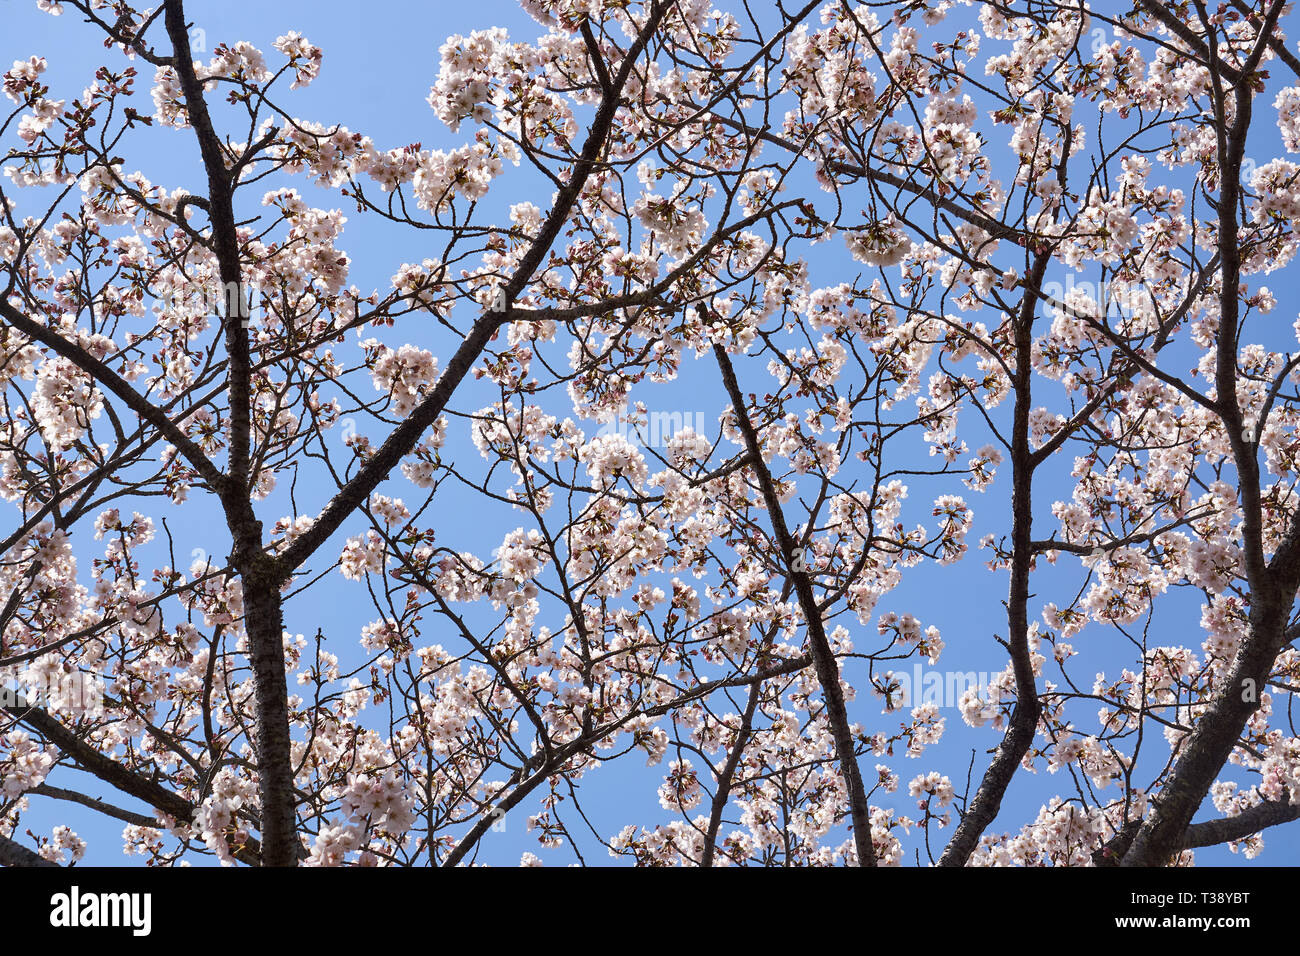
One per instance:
(108,809)
(983,809)
(1272,584)
(263,618)
(1250,821)
(110,380)
(1228,829)
(111,772)
(405,437)
(15,854)
(828,673)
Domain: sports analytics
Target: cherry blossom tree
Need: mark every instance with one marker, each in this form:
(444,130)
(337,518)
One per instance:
(914,260)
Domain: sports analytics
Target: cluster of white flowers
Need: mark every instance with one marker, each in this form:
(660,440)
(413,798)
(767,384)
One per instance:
(1277,186)
(405,373)
(907,631)
(1063,834)
(22,76)
(362,555)
(1214,563)
(136,532)
(1106,229)
(304,57)
(239,61)
(983,467)
(688,446)
(1090,755)
(168,98)
(522,554)
(217,819)
(952,147)
(64,403)
(1287,104)
(382,801)
(678,228)
(389,510)
(44,113)
(291,527)
(1043,424)
(64,844)
(955,522)
(23,763)
(465,80)
(879,244)
(420,467)
(441,176)
(502,433)
(932,787)
(611,458)
(977,709)
(681,788)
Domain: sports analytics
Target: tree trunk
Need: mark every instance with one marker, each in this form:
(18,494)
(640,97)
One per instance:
(264,623)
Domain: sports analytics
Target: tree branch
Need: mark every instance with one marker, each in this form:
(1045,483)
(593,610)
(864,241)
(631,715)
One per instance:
(828,673)
(400,442)
(15,854)
(114,383)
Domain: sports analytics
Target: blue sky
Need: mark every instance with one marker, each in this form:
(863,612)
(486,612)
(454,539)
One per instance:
(380,61)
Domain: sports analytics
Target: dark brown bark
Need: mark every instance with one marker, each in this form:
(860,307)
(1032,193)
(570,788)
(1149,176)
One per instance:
(728,775)
(72,796)
(1208,833)
(107,769)
(1257,818)
(405,437)
(263,619)
(828,673)
(264,622)
(1216,733)
(15,854)
(983,809)
(106,378)
(1272,583)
